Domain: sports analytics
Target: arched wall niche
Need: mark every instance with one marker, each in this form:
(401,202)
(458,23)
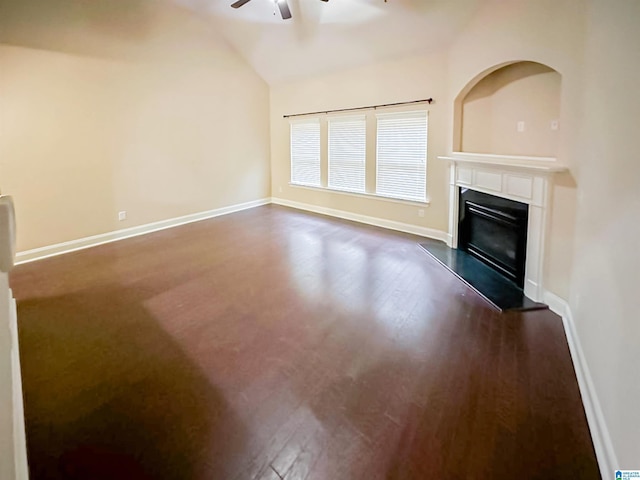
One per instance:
(493,105)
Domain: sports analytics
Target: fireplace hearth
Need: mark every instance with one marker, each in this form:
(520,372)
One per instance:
(494,230)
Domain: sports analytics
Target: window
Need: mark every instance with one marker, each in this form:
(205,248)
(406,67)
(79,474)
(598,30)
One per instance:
(338,158)
(305,153)
(347,153)
(401,164)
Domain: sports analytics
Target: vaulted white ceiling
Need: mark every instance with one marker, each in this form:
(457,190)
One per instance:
(323,37)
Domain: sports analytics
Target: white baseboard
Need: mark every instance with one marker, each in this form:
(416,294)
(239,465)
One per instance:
(602,444)
(19,435)
(87,242)
(449,240)
(375,221)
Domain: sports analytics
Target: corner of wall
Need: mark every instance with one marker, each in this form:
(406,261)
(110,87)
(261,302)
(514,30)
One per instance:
(13,447)
(602,444)
(19,434)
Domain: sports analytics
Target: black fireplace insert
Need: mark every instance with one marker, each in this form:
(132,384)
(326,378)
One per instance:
(494,230)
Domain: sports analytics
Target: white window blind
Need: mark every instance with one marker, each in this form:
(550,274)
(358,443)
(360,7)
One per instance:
(347,153)
(401,166)
(305,153)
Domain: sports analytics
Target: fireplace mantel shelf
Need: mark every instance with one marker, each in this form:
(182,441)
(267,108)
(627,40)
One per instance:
(540,165)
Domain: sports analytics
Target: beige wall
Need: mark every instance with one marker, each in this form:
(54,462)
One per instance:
(521,92)
(605,285)
(388,82)
(110,106)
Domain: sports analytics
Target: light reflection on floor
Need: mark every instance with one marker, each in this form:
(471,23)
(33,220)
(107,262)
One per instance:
(362,276)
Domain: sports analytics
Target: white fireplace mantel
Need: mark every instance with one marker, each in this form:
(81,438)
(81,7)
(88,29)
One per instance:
(523,179)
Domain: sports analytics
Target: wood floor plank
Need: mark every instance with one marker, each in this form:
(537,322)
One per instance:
(276,344)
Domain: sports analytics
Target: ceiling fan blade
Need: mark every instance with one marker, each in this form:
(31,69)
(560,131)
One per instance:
(239,3)
(284,9)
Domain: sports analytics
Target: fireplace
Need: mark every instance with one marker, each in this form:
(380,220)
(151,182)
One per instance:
(525,180)
(494,230)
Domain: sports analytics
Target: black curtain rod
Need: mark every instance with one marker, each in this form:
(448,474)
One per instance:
(428,100)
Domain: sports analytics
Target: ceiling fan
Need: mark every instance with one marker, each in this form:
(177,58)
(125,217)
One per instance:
(282,5)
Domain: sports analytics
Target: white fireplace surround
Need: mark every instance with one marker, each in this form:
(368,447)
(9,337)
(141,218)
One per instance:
(523,179)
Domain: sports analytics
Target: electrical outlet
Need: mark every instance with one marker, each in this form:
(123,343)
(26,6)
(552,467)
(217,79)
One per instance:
(554,125)
(520,126)
(122,215)
(421,212)
(280,189)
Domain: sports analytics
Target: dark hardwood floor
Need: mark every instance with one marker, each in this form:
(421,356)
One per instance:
(273,344)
